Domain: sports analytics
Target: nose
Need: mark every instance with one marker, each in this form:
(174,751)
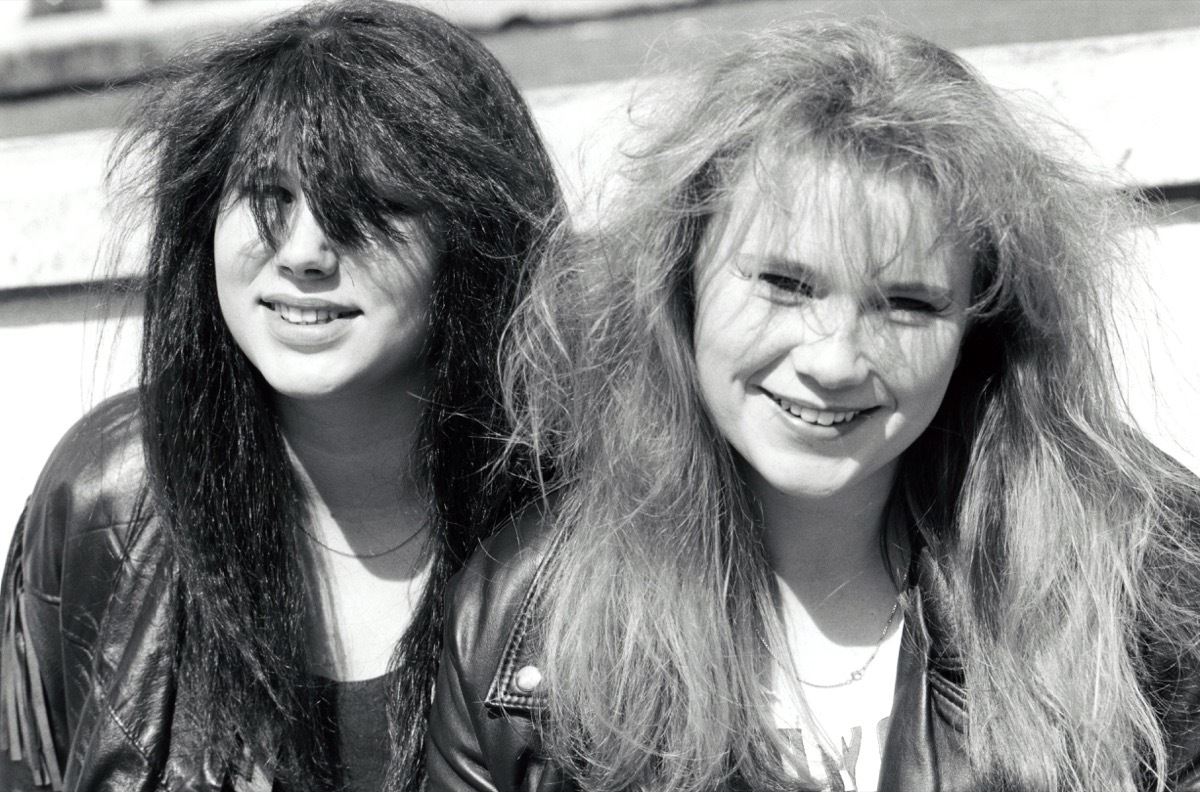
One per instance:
(305,252)
(829,349)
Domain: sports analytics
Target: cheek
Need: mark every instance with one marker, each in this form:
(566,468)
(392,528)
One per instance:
(396,286)
(238,252)
(705,347)
(730,326)
(401,274)
(726,368)
(238,256)
(923,371)
(717,349)
(710,351)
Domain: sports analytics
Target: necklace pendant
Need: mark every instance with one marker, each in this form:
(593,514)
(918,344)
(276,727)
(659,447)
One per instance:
(857,675)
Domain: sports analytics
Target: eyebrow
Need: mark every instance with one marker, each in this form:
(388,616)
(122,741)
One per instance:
(800,270)
(792,266)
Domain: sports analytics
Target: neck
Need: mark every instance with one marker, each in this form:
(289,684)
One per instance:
(828,561)
(367,558)
(353,452)
(810,539)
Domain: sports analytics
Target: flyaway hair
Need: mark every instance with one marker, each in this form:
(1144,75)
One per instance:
(1068,543)
(386,111)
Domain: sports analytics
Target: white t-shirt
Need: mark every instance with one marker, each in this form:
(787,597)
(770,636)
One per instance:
(854,720)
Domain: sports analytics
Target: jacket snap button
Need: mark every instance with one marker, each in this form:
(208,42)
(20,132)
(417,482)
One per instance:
(528,678)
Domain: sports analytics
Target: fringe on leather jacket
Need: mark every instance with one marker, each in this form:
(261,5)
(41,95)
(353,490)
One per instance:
(88,699)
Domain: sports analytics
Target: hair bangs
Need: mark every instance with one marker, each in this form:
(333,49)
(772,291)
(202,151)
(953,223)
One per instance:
(853,107)
(359,159)
(865,221)
(317,120)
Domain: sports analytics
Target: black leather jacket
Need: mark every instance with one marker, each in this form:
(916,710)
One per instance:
(86,674)
(481,735)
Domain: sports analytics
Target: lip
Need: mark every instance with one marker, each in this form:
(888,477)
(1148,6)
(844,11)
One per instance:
(305,302)
(831,417)
(306,322)
(307,310)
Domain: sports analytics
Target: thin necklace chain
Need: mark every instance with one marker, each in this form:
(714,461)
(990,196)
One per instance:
(379,554)
(857,673)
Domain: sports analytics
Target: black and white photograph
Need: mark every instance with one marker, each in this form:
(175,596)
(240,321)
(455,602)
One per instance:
(600,395)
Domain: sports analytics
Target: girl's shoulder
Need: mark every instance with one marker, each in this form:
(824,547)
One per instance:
(506,572)
(74,577)
(91,490)
(99,450)
(492,606)
(487,687)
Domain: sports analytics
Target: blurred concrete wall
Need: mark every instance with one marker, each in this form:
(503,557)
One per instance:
(63,350)
(55,44)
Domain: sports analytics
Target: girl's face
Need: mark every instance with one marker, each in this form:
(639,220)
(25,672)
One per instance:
(827,331)
(314,320)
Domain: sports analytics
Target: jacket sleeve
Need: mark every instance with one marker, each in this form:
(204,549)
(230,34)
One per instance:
(481,735)
(56,587)
(1176,680)
(28,720)
(454,760)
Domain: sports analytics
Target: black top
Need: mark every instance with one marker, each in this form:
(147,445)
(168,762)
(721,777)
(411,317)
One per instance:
(358,712)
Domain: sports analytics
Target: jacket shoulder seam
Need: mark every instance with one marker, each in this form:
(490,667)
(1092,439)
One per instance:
(500,694)
(50,599)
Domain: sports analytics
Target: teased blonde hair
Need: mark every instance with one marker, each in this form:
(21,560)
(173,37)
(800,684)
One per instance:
(1068,542)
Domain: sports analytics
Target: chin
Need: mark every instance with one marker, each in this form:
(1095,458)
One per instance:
(801,487)
(306,388)
(810,491)
(814,482)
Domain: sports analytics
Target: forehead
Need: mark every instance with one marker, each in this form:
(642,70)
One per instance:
(839,219)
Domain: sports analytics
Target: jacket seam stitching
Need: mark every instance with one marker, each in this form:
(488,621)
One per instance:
(138,522)
(499,695)
(112,713)
(76,639)
(952,703)
(49,599)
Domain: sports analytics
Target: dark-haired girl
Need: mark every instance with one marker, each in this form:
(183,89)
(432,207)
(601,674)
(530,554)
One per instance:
(232,578)
(845,496)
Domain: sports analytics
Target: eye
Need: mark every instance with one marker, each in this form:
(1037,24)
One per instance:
(787,285)
(912,305)
(277,194)
(912,309)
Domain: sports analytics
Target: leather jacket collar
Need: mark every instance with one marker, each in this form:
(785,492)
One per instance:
(482,734)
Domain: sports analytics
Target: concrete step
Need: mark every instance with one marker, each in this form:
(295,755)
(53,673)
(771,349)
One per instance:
(121,39)
(1126,96)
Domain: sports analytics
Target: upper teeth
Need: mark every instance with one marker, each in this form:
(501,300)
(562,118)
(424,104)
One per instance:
(818,417)
(291,313)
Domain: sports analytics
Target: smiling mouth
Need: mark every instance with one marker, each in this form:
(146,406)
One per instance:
(308,316)
(815,417)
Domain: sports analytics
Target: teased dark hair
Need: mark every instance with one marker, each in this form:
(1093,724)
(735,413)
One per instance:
(1068,543)
(386,109)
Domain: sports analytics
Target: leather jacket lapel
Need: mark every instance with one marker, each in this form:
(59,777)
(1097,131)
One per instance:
(926,746)
(515,685)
